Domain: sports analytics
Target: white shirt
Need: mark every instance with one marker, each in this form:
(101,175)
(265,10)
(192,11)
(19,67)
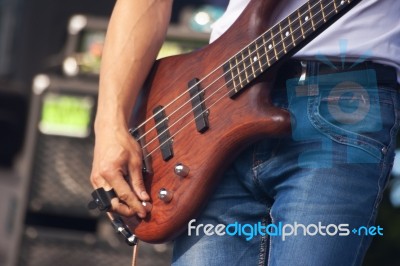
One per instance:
(371,29)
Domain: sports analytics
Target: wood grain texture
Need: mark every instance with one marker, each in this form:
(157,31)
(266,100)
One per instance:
(234,124)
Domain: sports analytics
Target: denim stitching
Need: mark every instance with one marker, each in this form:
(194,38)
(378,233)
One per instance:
(270,240)
(384,173)
(365,143)
(263,245)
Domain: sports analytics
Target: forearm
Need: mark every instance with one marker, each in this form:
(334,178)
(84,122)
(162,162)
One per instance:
(134,37)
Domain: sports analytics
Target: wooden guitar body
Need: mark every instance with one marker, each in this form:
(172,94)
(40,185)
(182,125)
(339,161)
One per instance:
(233,124)
(193,116)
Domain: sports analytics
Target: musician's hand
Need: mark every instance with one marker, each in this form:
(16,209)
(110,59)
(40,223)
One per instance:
(117,164)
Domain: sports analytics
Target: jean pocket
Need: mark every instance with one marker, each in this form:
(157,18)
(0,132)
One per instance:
(347,113)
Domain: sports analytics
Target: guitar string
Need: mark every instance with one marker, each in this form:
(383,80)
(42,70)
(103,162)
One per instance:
(217,90)
(212,72)
(223,96)
(203,90)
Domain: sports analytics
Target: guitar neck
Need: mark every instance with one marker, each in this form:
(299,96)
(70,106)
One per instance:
(281,40)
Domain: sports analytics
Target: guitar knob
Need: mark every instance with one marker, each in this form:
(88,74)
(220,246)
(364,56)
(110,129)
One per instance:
(181,170)
(165,195)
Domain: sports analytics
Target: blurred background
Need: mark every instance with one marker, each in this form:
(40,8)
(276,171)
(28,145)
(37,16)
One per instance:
(49,62)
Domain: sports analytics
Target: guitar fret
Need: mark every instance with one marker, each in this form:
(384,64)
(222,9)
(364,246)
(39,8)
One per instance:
(291,31)
(228,75)
(239,72)
(254,59)
(261,49)
(300,23)
(243,68)
(234,75)
(322,10)
(266,50)
(318,17)
(311,15)
(236,72)
(251,62)
(340,4)
(279,40)
(329,10)
(229,78)
(306,23)
(287,37)
(334,3)
(275,33)
(296,27)
(247,64)
(282,38)
(242,74)
(259,58)
(249,68)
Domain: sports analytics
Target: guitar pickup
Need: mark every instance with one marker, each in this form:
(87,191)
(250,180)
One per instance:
(146,162)
(162,129)
(198,106)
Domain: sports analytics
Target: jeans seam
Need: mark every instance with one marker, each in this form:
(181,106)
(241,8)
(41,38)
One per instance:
(351,137)
(263,244)
(257,165)
(371,218)
(270,240)
(388,157)
(383,174)
(335,133)
(366,143)
(363,238)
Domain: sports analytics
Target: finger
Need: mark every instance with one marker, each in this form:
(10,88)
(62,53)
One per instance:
(121,208)
(136,180)
(116,206)
(98,181)
(127,203)
(147,205)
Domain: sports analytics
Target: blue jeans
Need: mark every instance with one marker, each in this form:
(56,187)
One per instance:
(295,200)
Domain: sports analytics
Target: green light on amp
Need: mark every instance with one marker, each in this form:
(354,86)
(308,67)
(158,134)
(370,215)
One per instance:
(66,115)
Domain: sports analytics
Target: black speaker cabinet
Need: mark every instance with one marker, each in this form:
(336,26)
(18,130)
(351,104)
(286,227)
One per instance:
(44,246)
(58,229)
(62,111)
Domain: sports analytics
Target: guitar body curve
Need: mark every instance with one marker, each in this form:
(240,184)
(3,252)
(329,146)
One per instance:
(233,124)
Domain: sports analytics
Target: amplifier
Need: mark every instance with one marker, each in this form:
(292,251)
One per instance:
(85,41)
(57,227)
(84,46)
(61,122)
(44,246)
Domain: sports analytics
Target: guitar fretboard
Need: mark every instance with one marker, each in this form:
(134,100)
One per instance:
(280,40)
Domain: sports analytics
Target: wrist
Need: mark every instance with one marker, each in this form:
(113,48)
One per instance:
(110,122)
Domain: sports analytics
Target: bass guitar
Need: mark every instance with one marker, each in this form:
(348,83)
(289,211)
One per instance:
(197,111)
